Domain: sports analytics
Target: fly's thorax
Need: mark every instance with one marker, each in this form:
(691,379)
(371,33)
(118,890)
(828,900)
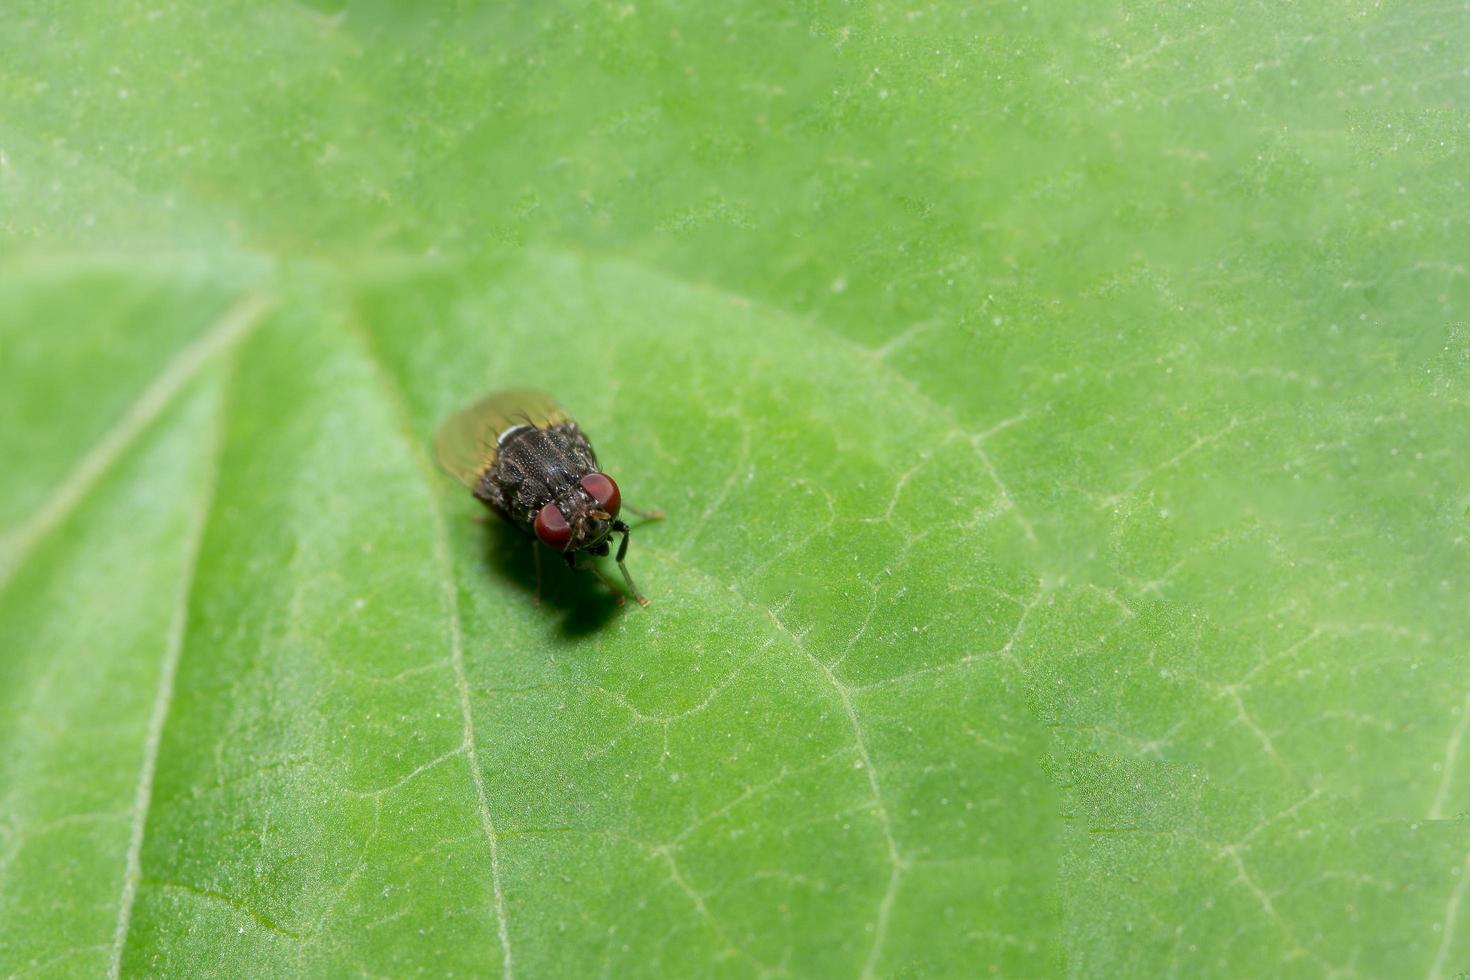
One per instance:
(533,467)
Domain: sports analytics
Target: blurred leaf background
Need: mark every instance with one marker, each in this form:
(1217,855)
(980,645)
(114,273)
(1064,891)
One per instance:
(1059,410)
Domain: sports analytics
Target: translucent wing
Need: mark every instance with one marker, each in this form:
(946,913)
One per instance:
(468,440)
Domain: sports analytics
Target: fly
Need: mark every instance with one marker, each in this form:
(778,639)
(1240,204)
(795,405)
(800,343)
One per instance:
(526,459)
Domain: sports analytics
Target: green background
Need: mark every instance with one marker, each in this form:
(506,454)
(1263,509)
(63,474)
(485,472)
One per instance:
(1059,410)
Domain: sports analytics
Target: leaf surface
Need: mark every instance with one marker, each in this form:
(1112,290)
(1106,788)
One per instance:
(1057,415)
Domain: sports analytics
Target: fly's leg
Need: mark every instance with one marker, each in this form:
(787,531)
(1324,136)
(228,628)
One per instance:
(647,515)
(623,529)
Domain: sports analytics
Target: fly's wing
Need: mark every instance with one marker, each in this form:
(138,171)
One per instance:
(469,439)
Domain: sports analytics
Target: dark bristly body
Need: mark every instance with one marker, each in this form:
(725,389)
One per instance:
(524,457)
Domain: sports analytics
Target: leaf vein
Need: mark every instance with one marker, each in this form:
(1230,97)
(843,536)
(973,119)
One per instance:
(896,861)
(456,638)
(1447,768)
(163,698)
(237,321)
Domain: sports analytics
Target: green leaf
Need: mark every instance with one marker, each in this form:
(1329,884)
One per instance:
(1058,415)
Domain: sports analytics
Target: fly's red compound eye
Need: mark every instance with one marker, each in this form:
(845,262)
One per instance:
(552,527)
(602,489)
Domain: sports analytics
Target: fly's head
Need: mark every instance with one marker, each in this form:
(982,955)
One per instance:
(581,516)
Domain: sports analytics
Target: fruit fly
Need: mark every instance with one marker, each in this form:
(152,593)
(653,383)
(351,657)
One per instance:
(524,457)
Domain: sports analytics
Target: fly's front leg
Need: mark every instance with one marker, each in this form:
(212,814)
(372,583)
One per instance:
(623,529)
(647,515)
